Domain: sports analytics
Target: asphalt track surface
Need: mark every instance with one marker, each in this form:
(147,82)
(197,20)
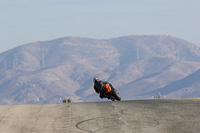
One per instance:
(142,116)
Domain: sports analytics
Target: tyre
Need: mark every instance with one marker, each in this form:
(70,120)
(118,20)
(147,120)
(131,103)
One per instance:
(116,95)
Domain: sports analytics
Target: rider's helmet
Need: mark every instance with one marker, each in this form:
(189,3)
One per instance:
(108,88)
(94,79)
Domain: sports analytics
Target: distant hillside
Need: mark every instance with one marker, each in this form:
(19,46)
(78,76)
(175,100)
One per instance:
(188,86)
(138,66)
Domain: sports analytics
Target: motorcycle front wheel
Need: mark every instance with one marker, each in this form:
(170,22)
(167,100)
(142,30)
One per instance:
(116,95)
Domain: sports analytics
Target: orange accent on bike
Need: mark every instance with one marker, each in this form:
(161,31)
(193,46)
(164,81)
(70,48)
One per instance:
(106,86)
(108,90)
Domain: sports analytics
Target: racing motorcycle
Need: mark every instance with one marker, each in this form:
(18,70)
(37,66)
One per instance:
(113,95)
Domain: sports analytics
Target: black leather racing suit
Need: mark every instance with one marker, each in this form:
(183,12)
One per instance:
(99,87)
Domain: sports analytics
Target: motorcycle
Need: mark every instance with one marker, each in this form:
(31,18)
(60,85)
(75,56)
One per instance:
(113,95)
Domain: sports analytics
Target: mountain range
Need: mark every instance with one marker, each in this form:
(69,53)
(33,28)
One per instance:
(137,66)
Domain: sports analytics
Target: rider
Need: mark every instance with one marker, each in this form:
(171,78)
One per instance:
(102,87)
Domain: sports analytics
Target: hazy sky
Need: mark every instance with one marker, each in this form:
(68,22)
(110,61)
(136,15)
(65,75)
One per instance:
(25,21)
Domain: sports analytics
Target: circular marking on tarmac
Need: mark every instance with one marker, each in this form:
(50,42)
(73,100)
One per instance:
(99,123)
